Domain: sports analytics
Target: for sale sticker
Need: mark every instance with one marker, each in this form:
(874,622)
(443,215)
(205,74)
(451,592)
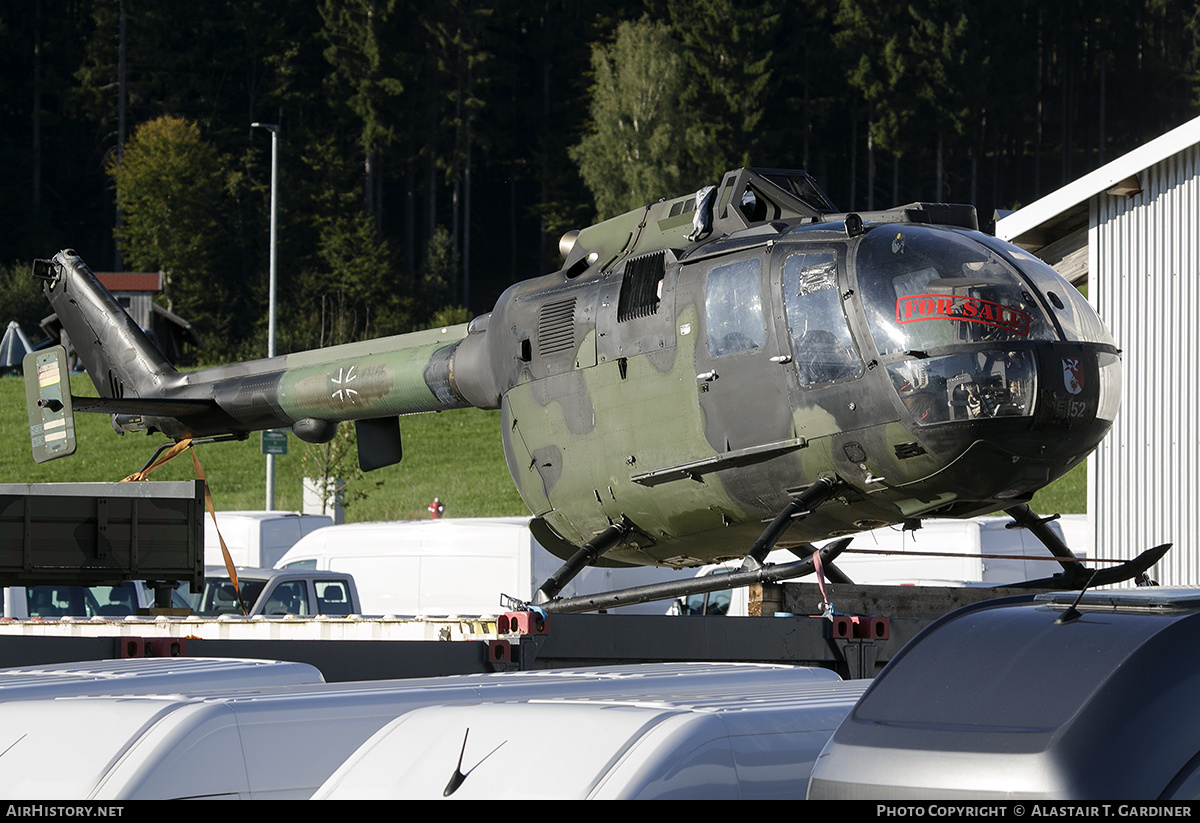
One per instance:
(917,307)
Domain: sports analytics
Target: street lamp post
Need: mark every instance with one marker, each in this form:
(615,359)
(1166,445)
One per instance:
(274,129)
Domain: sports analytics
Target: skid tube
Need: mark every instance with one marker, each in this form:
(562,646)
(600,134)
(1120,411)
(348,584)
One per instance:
(752,569)
(697,585)
(1075,574)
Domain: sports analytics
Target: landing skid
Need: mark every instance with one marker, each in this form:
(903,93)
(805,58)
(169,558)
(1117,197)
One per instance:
(752,570)
(226,438)
(1075,574)
(696,585)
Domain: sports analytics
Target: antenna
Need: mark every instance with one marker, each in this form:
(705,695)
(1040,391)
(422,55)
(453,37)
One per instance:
(1069,616)
(458,777)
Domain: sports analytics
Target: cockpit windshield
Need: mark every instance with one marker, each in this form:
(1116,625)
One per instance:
(924,289)
(951,319)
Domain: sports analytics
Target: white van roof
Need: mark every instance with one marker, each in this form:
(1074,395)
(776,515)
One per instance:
(756,745)
(258,538)
(260,515)
(385,536)
(154,675)
(285,742)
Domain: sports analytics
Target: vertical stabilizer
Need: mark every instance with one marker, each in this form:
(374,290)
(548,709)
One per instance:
(121,360)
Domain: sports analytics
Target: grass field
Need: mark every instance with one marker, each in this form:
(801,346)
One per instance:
(453,455)
(1067,495)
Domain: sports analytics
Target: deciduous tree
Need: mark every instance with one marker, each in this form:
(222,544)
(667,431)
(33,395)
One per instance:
(173,189)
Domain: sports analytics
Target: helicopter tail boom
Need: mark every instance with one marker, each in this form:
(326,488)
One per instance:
(371,382)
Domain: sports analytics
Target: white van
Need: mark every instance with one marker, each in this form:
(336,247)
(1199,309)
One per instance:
(151,675)
(760,745)
(257,538)
(453,566)
(283,743)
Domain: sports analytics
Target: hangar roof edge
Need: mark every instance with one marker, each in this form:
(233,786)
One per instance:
(1026,221)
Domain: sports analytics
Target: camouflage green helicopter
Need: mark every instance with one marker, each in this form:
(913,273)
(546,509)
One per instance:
(697,368)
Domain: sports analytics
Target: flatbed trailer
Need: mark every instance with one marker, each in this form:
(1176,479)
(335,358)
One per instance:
(367,648)
(93,533)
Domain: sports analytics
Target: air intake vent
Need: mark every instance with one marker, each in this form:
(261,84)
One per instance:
(556,327)
(639,289)
(908,450)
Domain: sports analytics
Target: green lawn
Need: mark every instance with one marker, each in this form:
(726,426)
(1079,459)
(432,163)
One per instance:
(453,455)
(1067,495)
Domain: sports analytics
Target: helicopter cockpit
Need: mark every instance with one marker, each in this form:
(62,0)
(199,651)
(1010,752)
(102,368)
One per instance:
(957,318)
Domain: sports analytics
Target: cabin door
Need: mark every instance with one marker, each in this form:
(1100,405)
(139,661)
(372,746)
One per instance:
(831,389)
(741,384)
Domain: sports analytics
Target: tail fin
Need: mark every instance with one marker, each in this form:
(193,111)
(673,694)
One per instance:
(121,360)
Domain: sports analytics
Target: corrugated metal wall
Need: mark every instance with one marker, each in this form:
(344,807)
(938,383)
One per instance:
(1143,488)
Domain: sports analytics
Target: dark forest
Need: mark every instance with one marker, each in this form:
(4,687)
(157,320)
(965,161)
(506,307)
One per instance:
(432,153)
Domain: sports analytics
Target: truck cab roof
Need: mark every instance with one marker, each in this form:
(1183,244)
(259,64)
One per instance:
(1032,697)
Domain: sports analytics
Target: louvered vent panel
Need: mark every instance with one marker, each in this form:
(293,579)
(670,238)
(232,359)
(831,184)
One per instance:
(639,288)
(556,327)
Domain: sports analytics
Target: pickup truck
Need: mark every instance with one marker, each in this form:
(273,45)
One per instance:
(269,592)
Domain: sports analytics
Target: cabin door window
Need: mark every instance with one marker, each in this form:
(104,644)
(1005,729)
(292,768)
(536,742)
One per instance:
(822,347)
(742,390)
(733,309)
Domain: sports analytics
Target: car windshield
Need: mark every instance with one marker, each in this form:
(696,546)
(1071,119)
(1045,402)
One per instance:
(220,598)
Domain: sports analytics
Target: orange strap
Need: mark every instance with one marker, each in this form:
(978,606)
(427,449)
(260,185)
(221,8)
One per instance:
(179,448)
(819,568)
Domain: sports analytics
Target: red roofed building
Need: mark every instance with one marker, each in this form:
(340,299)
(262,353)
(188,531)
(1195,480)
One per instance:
(138,281)
(135,291)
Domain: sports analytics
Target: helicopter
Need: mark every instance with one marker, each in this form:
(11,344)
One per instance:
(740,356)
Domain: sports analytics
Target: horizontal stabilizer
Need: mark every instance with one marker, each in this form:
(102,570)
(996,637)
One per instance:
(142,405)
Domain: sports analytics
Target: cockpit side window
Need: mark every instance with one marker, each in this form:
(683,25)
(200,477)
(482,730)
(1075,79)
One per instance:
(1071,309)
(822,347)
(733,309)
